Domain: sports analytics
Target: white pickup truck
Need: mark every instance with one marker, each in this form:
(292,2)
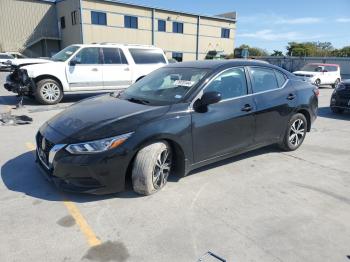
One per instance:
(85,68)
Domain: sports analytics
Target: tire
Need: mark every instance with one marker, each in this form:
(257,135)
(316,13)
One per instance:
(151,168)
(295,133)
(337,110)
(336,83)
(317,82)
(48,92)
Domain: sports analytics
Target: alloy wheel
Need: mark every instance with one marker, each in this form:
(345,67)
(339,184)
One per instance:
(162,169)
(50,92)
(297,132)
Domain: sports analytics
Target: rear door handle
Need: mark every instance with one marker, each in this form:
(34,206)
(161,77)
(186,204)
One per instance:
(127,69)
(291,97)
(247,108)
(94,69)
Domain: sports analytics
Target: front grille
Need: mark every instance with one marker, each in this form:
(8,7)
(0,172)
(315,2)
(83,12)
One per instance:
(44,147)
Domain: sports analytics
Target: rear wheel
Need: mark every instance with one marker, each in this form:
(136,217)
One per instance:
(295,133)
(151,168)
(337,110)
(317,82)
(48,92)
(336,83)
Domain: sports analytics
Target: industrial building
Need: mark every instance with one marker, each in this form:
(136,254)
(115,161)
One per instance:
(42,27)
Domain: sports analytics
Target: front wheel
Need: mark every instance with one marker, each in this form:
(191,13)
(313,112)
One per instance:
(151,168)
(48,92)
(295,133)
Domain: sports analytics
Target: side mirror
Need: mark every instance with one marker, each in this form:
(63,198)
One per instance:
(74,61)
(208,98)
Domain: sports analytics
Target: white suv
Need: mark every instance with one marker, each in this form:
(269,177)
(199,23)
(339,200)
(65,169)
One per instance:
(320,74)
(85,68)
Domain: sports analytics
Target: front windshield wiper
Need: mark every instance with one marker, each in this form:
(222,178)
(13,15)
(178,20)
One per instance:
(138,101)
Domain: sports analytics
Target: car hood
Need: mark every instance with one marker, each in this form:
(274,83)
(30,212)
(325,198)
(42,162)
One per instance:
(101,117)
(307,73)
(28,61)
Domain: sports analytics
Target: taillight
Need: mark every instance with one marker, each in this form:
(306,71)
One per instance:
(316,91)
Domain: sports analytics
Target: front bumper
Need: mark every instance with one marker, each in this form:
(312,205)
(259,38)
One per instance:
(102,173)
(16,85)
(340,100)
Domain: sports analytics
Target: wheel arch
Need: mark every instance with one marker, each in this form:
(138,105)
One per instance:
(42,77)
(307,116)
(179,156)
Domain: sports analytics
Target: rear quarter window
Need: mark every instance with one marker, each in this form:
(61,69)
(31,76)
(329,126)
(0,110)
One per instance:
(281,78)
(147,56)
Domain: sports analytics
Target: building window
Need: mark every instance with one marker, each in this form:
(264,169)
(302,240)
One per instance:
(225,33)
(130,21)
(178,27)
(98,18)
(177,56)
(161,26)
(74,17)
(63,22)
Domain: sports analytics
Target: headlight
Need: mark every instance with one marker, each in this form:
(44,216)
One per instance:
(97,146)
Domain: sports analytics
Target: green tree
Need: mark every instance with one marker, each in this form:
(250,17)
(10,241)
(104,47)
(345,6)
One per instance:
(254,51)
(277,53)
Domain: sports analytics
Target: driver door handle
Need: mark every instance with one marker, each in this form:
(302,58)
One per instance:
(291,96)
(247,108)
(94,69)
(127,69)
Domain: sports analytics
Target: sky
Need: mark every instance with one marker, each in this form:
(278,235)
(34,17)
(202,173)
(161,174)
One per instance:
(271,24)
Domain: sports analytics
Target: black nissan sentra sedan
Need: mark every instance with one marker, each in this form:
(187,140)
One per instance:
(340,100)
(176,119)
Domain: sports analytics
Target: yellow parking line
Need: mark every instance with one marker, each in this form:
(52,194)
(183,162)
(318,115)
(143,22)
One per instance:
(76,214)
(81,222)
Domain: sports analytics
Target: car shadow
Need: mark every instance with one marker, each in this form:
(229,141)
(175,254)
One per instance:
(326,112)
(21,174)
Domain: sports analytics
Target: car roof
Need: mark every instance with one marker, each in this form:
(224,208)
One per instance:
(214,64)
(321,64)
(118,45)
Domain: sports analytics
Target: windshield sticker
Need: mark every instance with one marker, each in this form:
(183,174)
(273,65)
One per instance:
(178,96)
(185,83)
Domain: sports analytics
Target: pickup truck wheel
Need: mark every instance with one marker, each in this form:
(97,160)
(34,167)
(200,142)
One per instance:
(151,168)
(48,92)
(295,133)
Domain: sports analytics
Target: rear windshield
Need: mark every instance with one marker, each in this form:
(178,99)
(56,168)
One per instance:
(147,56)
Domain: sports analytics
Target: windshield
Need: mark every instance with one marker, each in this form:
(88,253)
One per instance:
(164,86)
(312,68)
(65,53)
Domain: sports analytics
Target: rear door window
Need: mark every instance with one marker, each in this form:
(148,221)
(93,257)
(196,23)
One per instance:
(263,79)
(113,56)
(147,56)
